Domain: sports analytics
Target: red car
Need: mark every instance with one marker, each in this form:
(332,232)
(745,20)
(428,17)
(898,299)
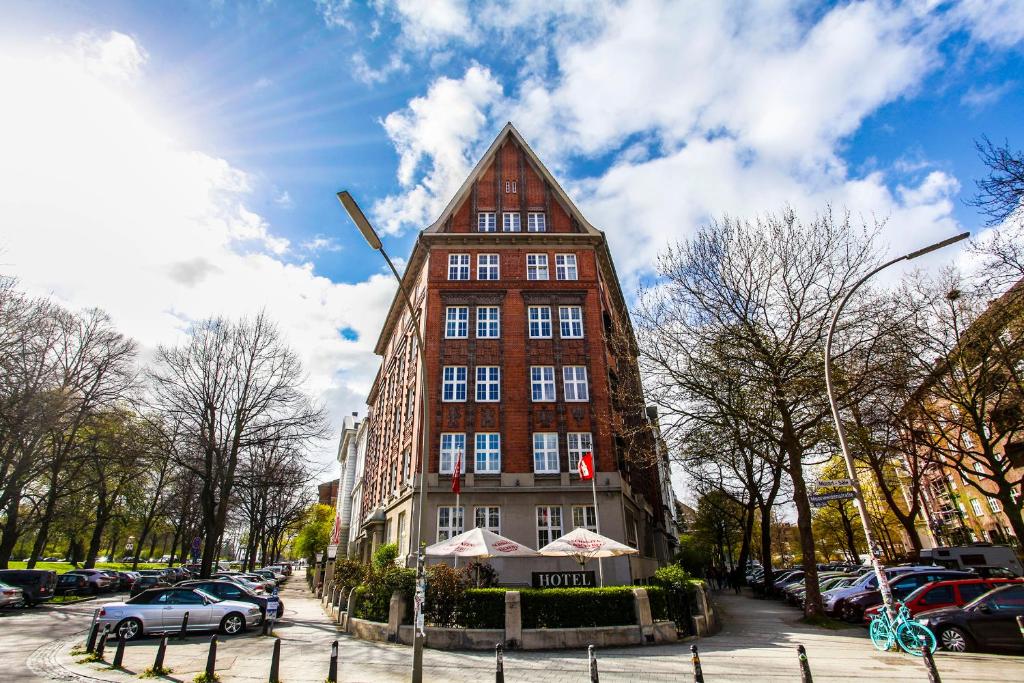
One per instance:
(956,592)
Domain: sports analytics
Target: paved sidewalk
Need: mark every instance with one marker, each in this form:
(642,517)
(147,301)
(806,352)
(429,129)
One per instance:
(758,643)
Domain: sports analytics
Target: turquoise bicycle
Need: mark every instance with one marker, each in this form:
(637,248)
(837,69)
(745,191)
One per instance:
(910,635)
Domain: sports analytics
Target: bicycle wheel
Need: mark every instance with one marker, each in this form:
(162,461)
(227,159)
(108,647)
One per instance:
(881,634)
(911,636)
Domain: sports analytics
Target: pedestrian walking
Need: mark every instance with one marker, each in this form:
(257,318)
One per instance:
(736,579)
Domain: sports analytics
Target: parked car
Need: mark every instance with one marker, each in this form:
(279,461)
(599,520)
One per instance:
(989,622)
(99,581)
(833,600)
(162,610)
(952,593)
(125,580)
(71,584)
(229,590)
(991,572)
(10,595)
(257,588)
(975,555)
(37,585)
(901,586)
(146,582)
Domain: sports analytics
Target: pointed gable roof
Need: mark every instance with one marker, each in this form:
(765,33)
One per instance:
(509,131)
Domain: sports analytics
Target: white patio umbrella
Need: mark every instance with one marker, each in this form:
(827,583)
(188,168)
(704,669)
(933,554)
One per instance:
(582,545)
(480,543)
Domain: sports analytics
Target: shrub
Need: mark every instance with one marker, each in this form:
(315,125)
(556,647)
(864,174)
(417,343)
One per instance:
(385,556)
(482,608)
(348,573)
(373,596)
(678,590)
(574,607)
(480,574)
(445,586)
(673,575)
(659,602)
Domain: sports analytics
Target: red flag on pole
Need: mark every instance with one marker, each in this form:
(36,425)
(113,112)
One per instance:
(586,466)
(457,474)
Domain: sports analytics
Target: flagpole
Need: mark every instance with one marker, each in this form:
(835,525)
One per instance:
(597,520)
(457,485)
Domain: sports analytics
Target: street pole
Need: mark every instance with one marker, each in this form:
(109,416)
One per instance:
(597,520)
(370,235)
(883,585)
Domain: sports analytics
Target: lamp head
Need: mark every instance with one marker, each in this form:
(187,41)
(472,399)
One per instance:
(359,218)
(938,245)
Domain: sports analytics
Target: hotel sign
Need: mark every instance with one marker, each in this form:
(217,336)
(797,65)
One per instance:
(563,580)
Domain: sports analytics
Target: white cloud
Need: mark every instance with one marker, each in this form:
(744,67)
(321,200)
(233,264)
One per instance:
(335,13)
(115,56)
(320,243)
(427,24)
(997,22)
(434,137)
(979,97)
(284,200)
(102,207)
(368,75)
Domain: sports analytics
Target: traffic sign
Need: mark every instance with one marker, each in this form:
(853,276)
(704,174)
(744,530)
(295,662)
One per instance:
(835,482)
(823,498)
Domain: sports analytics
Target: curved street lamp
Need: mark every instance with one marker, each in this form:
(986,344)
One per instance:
(370,235)
(883,584)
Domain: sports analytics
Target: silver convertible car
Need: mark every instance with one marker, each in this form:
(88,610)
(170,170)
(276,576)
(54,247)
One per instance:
(161,610)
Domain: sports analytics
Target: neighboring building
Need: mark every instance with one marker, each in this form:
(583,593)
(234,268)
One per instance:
(521,309)
(327,493)
(955,511)
(348,455)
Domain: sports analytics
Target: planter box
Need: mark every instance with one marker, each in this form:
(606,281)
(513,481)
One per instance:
(368,630)
(456,638)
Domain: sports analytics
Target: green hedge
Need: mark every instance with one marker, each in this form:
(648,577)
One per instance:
(576,607)
(659,602)
(373,598)
(482,608)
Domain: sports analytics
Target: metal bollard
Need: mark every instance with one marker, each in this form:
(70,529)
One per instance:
(118,654)
(332,670)
(90,644)
(275,662)
(211,659)
(805,668)
(90,639)
(184,627)
(698,675)
(929,661)
(499,664)
(1020,625)
(101,644)
(158,663)
(593,664)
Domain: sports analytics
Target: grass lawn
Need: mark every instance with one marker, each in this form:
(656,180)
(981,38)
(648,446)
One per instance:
(61,567)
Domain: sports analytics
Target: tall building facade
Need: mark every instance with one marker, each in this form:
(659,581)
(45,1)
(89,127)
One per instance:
(528,346)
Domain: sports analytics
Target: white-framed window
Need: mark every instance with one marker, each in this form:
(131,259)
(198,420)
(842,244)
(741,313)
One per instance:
(540,321)
(545,452)
(536,266)
(976,506)
(966,438)
(485,222)
(631,534)
(510,222)
(542,383)
(536,222)
(488,322)
(487,267)
(488,383)
(579,443)
(449,522)
(570,322)
(584,516)
(549,524)
(978,467)
(565,267)
(458,266)
(574,383)
(488,453)
(401,534)
(488,517)
(452,446)
(453,387)
(456,322)
(994,505)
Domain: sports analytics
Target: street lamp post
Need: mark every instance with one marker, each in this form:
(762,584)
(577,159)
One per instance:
(883,585)
(370,235)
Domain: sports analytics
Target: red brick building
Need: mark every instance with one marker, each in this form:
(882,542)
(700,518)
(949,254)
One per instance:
(519,300)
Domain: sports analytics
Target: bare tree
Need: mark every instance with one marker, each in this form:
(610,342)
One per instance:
(756,299)
(234,386)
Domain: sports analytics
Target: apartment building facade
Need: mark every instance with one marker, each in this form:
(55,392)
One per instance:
(522,317)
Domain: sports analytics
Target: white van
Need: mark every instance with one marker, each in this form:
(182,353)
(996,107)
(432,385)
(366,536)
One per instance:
(976,555)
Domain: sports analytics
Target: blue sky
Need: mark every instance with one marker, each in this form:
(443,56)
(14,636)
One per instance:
(185,155)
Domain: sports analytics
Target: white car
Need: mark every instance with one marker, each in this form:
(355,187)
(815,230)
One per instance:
(161,610)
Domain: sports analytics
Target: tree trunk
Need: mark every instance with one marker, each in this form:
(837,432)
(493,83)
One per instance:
(766,546)
(748,531)
(851,543)
(94,541)
(10,531)
(812,603)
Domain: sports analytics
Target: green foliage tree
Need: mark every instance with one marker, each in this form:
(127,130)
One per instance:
(315,532)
